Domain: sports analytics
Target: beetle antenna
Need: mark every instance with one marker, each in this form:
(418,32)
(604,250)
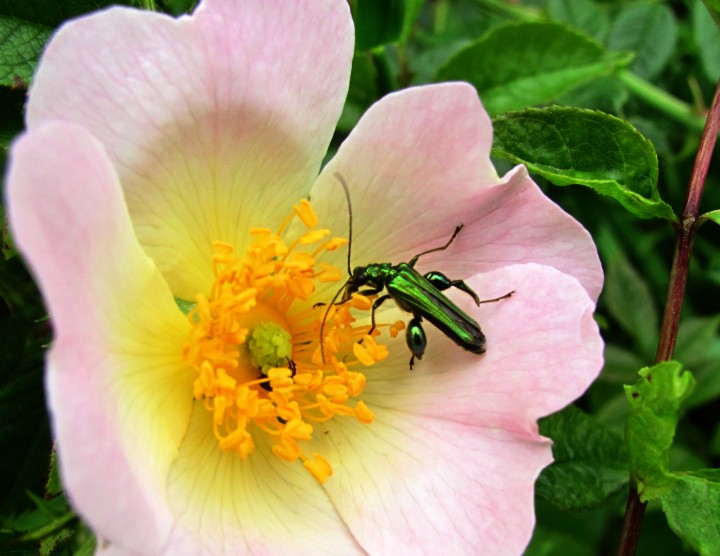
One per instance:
(350,225)
(322,325)
(344,184)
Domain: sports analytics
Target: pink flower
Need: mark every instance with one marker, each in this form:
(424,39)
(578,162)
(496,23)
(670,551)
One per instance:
(156,150)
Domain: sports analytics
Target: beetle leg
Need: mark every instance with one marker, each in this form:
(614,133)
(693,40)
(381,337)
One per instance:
(494,299)
(442,282)
(379,301)
(371,291)
(416,339)
(442,248)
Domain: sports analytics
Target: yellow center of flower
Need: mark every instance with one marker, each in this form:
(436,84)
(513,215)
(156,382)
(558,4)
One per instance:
(255,344)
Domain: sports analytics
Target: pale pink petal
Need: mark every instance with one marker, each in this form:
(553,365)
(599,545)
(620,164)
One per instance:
(543,351)
(215,122)
(411,484)
(261,505)
(118,391)
(517,223)
(146,474)
(418,165)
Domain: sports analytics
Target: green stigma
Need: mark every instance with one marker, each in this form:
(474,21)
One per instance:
(185,306)
(270,346)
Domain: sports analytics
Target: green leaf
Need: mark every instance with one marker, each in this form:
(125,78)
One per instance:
(655,402)
(54,525)
(53,542)
(178,7)
(85,543)
(657,132)
(698,347)
(697,340)
(547,542)
(621,364)
(21,43)
(627,295)
(51,13)
(574,146)
(26,26)
(707,39)
(713,216)
(524,64)
(713,7)
(6,243)
(649,30)
(590,461)
(379,22)
(606,93)
(692,508)
(563,532)
(54,485)
(585,15)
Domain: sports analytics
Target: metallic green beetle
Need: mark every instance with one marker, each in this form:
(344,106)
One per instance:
(417,294)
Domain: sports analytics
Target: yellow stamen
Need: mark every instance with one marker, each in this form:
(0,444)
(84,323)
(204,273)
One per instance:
(256,347)
(319,467)
(363,413)
(396,328)
(306,213)
(369,352)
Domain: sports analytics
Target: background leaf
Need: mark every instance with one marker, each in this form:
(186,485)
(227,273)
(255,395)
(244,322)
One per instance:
(628,297)
(379,22)
(655,402)
(25,27)
(572,146)
(649,30)
(590,462)
(52,13)
(525,64)
(698,347)
(692,508)
(713,7)
(713,216)
(707,39)
(20,45)
(586,15)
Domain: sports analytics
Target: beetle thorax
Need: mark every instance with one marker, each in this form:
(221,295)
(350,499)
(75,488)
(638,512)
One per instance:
(373,275)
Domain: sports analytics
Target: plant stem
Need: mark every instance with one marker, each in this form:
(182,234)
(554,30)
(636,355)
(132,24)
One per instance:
(635,509)
(685,233)
(667,104)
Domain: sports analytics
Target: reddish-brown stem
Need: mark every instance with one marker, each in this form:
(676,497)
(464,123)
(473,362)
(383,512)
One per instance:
(635,509)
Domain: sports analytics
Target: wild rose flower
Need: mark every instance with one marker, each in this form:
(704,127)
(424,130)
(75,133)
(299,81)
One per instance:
(160,198)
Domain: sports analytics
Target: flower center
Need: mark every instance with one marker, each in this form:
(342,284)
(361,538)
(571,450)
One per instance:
(255,343)
(270,346)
